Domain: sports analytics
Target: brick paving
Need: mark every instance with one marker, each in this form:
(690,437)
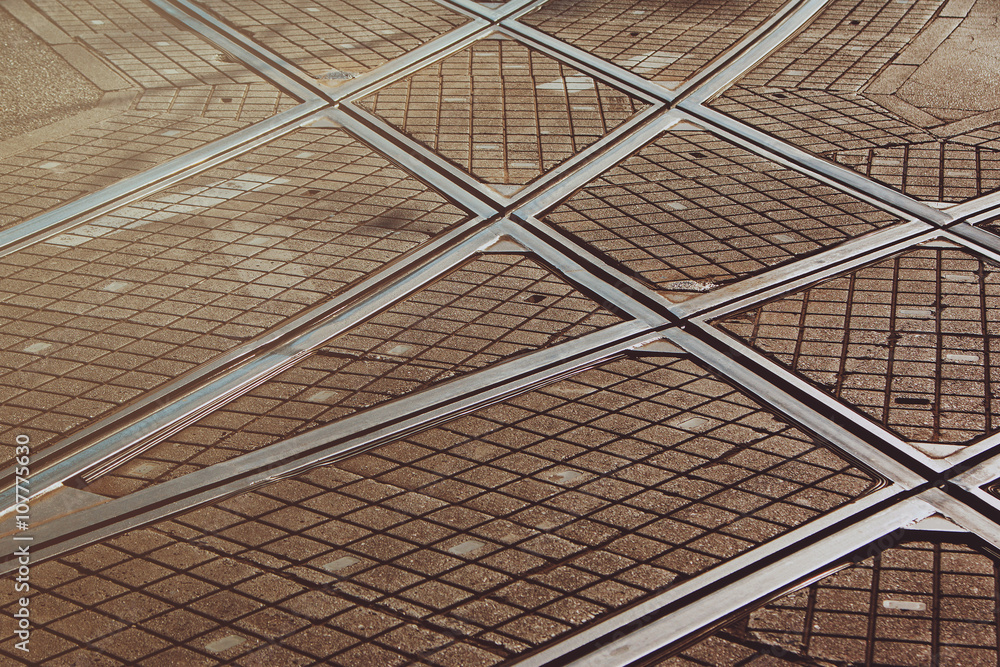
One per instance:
(477,540)
(504,112)
(180,91)
(691,212)
(718,388)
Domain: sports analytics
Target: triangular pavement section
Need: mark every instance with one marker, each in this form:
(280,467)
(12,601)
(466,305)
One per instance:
(915,603)
(690,212)
(492,307)
(909,341)
(501,111)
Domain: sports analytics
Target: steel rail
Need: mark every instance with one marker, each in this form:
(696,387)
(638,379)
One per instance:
(471,184)
(417,152)
(494,14)
(657,622)
(960,513)
(544,201)
(244,368)
(345,312)
(834,410)
(578,56)
(644,629)
(325,444)
(800,15)
(747,47)
(265,63)
(408,63)
(120,429)
(976,210)
(273,67)
(622,284)
(831,173)
(810,267)
(787,404)
(441,176)
(977,236)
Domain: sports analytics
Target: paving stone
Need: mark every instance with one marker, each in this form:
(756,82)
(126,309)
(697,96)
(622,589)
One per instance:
(691,212)
(340,36)
(862,85)
(179,93)
(534,581)
(490,536)
(39,87)
(489,309)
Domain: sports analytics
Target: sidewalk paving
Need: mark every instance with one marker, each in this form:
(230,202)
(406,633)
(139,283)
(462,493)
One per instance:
(538,333)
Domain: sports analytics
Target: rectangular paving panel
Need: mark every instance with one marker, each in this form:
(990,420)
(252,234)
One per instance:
(663,41)
(691,211)
(910,341)
(336,37)
(915,604)
(471,543)
(95,317)
(176,92)
(491,308)
(502,111)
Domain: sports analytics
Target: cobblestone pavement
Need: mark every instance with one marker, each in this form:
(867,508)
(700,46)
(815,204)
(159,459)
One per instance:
(450,333)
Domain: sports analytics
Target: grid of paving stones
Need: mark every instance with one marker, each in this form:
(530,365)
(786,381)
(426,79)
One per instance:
(667,42)
(483,523)
(96,317)
(488,310)
(832,91)
(181,93)
(478,540)
(908,340)
(915,604)
(691,212)
(944,171)
(504,112)
(333,38)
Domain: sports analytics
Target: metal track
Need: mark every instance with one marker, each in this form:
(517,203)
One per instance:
(916,483)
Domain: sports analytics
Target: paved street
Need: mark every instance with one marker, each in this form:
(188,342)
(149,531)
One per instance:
(454,333)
